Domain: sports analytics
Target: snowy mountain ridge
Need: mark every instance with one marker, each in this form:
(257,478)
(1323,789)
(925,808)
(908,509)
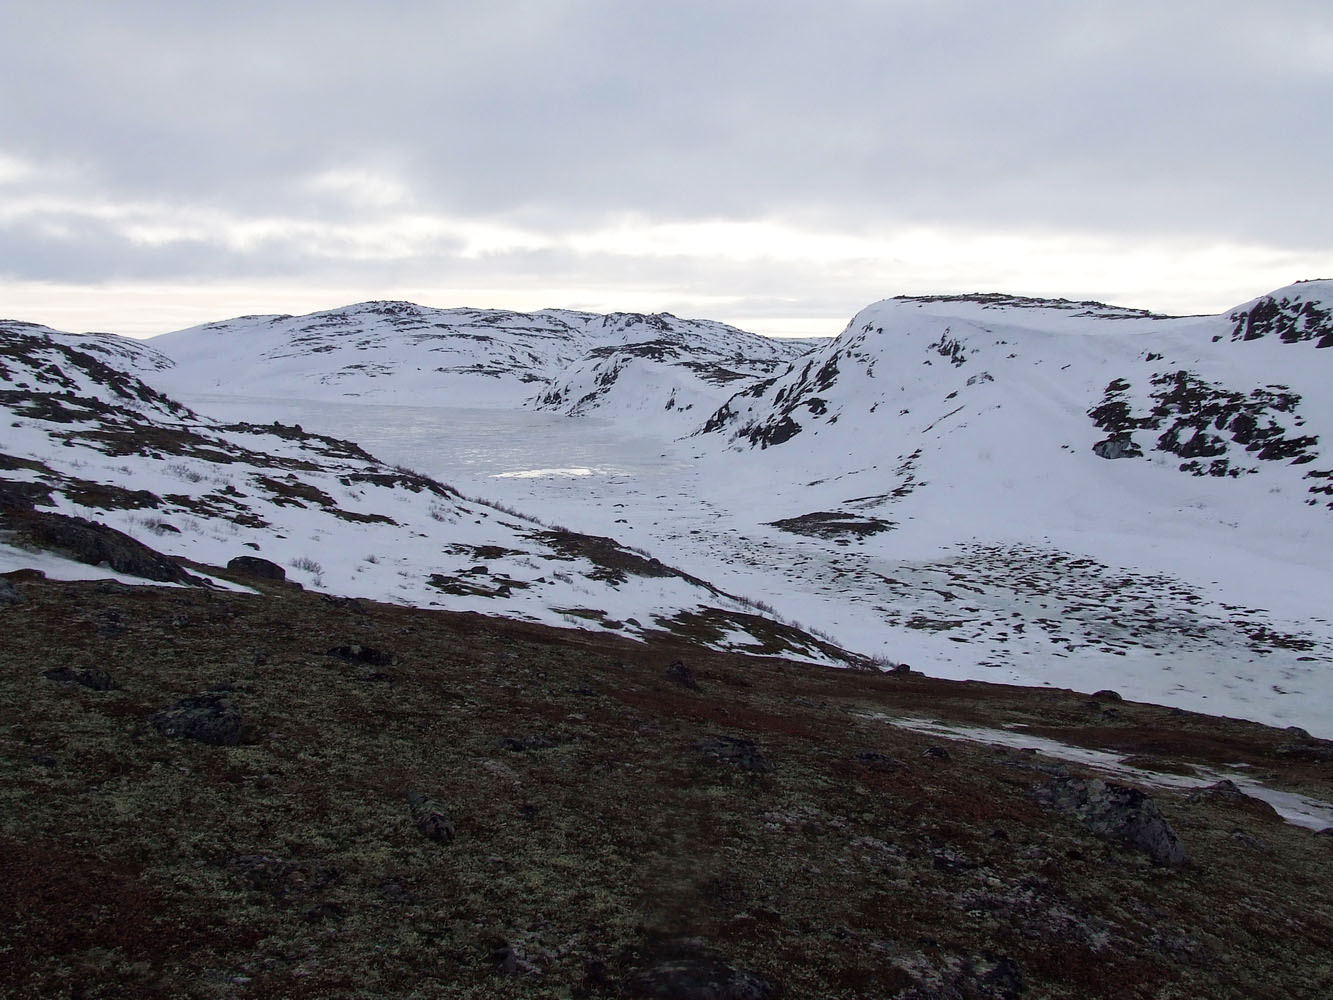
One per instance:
(555,359)
(1023,490)
(87,438)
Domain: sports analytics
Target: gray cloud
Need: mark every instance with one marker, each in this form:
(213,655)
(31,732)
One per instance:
(1206,121)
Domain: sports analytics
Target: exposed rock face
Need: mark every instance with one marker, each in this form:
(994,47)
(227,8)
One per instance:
(95,544)
(254,566)
(1116,812)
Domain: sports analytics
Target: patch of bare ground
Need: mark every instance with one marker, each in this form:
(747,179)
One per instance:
(625,820)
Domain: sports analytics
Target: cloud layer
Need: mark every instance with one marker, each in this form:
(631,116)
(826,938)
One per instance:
(777,159)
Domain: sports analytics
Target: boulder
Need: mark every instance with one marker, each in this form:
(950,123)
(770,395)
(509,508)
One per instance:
(431,818)
(205,718)
(256,567)
(1116,812)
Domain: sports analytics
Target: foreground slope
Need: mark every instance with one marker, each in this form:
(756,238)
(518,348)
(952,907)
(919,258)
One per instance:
(208,795)
(86,437)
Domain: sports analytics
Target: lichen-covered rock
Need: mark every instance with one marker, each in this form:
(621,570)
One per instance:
(431,818)
(735,751)
(9,595)
(96,680)
(699,979)
(1116,812)
(205,718)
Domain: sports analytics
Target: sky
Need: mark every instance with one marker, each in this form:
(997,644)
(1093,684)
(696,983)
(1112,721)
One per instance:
(777,165)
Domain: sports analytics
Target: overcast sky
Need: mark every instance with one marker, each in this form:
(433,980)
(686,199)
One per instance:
(775,164)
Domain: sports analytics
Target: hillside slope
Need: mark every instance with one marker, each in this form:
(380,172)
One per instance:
(557,359)
(87,438)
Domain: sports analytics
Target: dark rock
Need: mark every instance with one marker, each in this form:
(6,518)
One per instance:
(97,680)
(699,979)
(936,752)
(737,752)
(1120,446)
(95,544)
(1226,792)
(877,761)
(505,960)
(430,817)
(1298,732)
(9,594)
(321,912)
(901,668)
(285,878)
(366,656)
(1251,841)
(519,744)
(1107,695)
(1320,751)
(256,567)
(392,891)
(205,718)
(682,675)
(1116,812)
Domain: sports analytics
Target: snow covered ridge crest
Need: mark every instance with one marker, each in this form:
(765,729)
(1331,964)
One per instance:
(1213,396)
(658,367)
(86,437)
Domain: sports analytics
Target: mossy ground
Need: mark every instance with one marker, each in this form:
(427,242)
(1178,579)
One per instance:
(134,865)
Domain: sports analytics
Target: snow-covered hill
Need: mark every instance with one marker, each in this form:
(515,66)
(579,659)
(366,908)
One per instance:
(561,360)
(1034,404)
(664,372)
(1022,490)
(85,436)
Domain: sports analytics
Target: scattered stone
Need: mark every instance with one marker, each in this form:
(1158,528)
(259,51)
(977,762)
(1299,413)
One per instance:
(96,680)
(1116,812)
(877,761)
(256,567)
(1251,841)
(392,891)
(285,878)
(682,675)
(519,744)
(9,594)
(1319,751)
(737,752)
(936,752)
(699,979)
(366,656)
(204,718)
(505,960)
(321,912)
(1227,792)
(431,818)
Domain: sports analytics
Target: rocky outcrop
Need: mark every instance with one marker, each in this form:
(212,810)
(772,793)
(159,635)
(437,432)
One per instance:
(1116,812)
